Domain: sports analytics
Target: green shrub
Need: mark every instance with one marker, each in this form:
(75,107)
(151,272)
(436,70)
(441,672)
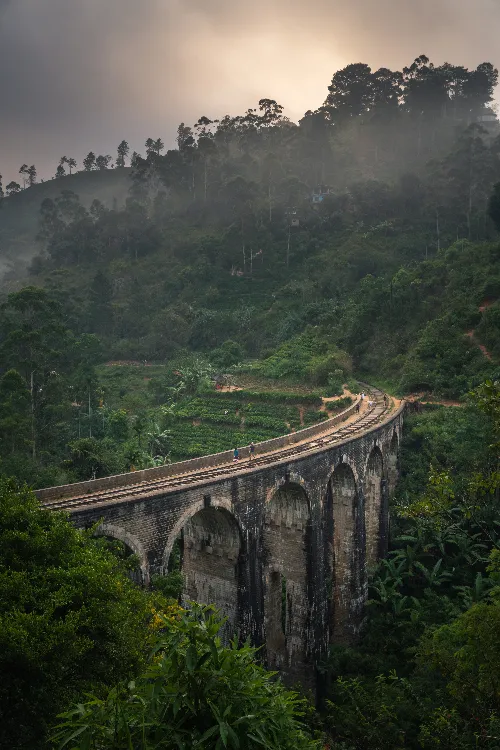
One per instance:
(228,354)
(71,620)
(195,693)
(170,585)
(309,356)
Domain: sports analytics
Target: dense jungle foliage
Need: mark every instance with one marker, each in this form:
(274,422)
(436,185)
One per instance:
(289,260)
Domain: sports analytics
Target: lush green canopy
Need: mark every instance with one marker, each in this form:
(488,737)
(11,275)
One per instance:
(70,618)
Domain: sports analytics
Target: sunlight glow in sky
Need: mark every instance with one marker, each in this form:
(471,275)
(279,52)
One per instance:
(82,75)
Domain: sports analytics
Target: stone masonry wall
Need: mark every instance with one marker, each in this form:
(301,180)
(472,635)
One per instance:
(311,521)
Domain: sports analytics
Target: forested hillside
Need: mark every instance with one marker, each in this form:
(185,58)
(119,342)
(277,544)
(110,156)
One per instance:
(368,219)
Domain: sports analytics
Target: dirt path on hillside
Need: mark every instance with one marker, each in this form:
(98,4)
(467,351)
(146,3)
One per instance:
(484,350)
(471,334)
(421,398)
(127,363)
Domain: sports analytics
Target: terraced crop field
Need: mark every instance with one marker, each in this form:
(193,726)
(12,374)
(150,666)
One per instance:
(214,421)
(219,422)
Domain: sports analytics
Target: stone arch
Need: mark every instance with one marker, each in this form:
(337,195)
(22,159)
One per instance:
(286,544)
(181,522)
(393,462)
(211,555)
(133,544)
(291,478)
(345,527)
(345,461)
(374,505)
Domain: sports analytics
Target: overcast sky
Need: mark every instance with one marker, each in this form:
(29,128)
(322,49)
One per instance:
(81,75)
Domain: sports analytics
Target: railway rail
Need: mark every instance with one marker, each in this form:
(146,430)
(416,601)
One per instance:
(368,419)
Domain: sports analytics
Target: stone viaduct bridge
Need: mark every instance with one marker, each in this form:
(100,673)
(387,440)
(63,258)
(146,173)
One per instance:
(280,544)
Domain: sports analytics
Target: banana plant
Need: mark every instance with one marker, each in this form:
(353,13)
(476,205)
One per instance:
(409,556)
(394,569)
(158,440)
(434,577)
(469,549)
(385,591)
(472,594)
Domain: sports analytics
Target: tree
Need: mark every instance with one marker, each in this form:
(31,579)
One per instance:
(494,206)
(479,87)
(228,354)
(426,88)
(184,137)
(466,656)
(207,149)
(123,149)
(60,171)
(31,172)
(69,207)
(12,188)
(1,188)
(350,92)
(135,160)
(89,163)
(97,209)
(35,342)
(158,146)
(469,174)
(202,127)
(387,89)
(100,298)
(88,459)
(271,112)
(195,693)
(103,162)
(71,618)
(23,170)
(71,164)
(14,413)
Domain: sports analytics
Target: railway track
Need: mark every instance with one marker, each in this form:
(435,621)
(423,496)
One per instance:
(157,486)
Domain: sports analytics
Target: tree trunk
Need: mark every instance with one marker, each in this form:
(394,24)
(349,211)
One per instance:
(33,431)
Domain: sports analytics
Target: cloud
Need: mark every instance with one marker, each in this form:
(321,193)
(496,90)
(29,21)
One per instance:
(84,74)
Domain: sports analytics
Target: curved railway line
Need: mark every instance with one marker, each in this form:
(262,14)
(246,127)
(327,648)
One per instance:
(368,419)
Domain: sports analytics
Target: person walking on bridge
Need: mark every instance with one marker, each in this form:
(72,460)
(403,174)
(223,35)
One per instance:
(251,451)
(236,455)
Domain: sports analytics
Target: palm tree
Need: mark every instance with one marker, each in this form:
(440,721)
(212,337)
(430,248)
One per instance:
(71,163)
(158,146)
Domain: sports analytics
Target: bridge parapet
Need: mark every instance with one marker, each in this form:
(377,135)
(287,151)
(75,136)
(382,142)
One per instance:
(192,465)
